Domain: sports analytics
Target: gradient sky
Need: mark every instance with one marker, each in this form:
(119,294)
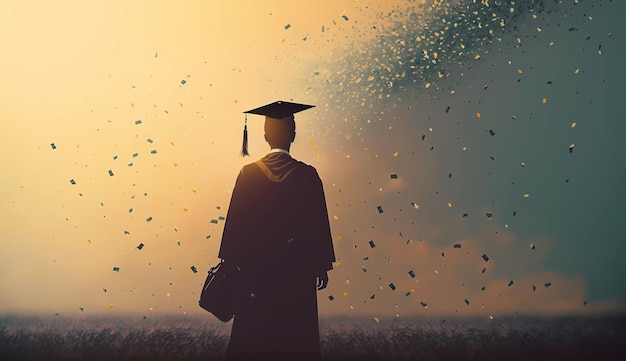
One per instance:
(143,102)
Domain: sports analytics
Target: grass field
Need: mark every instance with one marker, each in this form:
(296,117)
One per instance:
(343,338)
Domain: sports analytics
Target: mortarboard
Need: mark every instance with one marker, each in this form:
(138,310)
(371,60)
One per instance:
(276,110)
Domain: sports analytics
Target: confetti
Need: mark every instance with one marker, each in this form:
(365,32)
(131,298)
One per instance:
(149,219)
(137,122)
(485,258)
(194,269)
(380,209)
(372,245)
(116,269)
(53,146)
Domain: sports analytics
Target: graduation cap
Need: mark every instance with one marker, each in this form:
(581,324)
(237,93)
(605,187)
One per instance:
(278,110)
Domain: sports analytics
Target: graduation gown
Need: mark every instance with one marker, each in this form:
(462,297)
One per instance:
(277,232)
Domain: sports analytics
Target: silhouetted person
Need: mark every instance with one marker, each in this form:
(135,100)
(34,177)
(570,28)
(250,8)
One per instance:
(277,232)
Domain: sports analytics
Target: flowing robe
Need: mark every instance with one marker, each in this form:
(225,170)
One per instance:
(277,232)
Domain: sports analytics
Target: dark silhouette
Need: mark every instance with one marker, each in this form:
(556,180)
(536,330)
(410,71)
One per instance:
(277,232)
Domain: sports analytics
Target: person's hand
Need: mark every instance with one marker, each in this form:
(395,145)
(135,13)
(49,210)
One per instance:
(322,280)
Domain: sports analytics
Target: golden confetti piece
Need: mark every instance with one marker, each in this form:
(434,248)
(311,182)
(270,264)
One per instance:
(436,272)
(449,205)
(185,209)
(576,71)
(89,241)
(132,105)
(519,71)
(168,295)
(181,104)
(395,154)
(235,100)
(522,164)
(377,319)
(175,164)
(477,115)
(477,57)
(427,85)
(430,129)
(526,195)
(345,294)
(335,218)
(194,190)
(573,124)
(311,143)
(490,317)
(172,143)
(337,263)
(544,100)
(111,306)
(464,148)
(339,238)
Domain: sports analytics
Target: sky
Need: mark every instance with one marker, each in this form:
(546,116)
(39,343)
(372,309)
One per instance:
(469,150)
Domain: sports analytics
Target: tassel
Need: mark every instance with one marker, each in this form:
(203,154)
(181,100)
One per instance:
(244,145)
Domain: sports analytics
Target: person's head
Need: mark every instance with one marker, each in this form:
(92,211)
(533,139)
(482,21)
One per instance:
(280,133)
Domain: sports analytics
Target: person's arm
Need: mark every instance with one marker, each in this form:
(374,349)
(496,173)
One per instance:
(326,253)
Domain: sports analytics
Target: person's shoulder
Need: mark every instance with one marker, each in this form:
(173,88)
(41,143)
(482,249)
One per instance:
(305,165)
(248,169)
(308,169)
